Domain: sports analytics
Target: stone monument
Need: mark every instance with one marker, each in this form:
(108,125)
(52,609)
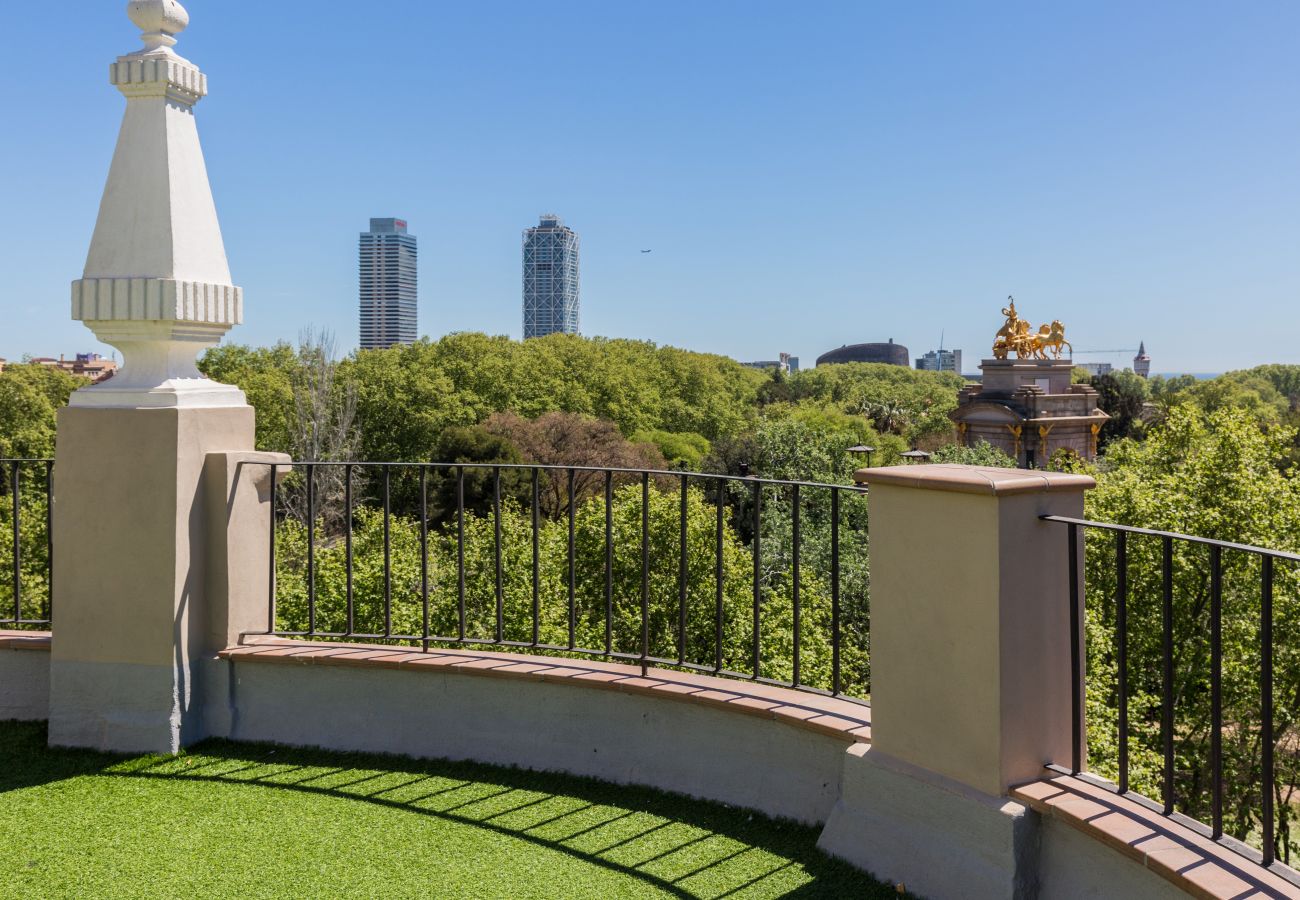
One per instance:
(1027,406)
(133,599)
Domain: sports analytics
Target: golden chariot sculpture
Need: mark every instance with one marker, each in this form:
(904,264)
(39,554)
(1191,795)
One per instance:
(1016,336)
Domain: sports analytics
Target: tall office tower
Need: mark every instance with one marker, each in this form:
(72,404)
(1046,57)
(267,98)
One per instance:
(550,279)
(387,268)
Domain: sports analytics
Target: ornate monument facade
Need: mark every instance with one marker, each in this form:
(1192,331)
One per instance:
(1027,407)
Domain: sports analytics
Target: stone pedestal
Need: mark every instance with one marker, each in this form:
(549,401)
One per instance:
(1028,409)
(130,580)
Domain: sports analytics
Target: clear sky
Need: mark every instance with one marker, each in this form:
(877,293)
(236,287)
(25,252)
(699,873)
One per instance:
(807,174)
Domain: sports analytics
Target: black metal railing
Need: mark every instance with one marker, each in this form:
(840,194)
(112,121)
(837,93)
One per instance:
(1176,590)
(27,545)
(732,576)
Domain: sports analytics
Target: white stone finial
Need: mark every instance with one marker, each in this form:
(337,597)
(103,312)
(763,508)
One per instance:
(156,284)
(160,20)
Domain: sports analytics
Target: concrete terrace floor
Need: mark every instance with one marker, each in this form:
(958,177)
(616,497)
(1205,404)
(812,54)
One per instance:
(248,820)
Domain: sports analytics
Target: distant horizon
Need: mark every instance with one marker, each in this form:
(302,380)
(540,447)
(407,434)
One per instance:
(806,177)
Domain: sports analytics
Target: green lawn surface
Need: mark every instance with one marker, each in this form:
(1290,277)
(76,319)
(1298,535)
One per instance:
(249,820)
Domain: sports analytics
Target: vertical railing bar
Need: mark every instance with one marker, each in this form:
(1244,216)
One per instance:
(270,624)
(496,548)
(835,592)
(756,662)
(537,584)
(347,551)
(15,483)
(311,548)
(1076,654)
(717,577)
(572,563)
(645,570)
(424,554)
(1266,708)
(460,552)
(49,540)
(388,553)
(609,562)
(681,573)
(1216,691)
(795,540)
(1121,651)
(1167,675)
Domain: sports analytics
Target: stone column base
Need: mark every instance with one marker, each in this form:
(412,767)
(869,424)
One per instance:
(938,838)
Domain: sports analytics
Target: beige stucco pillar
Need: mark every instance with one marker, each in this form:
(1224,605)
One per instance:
(970,676)
(970,620)
(136,601)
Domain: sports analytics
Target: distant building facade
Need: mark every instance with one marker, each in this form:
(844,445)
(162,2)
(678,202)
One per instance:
(1096,369)
(552,285)
(87,365)
(1142,362)
(389,290)
(940,361)
(786,363)
(889,352)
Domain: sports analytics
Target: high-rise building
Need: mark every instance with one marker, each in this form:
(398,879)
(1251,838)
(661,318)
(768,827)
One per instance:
(551,283)
(940,361)
(1142,362)
(388,289)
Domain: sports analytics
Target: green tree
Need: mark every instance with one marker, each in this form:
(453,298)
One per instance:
(1123,396)
(30,397)
(680,451)
(1214,475)
(475,446)
(981,454)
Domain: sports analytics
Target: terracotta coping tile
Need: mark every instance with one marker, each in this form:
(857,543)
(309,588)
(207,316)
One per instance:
(669,687)
(1186,858)
(25,640)
(795,712)
(561,672)
(602,677)
(836,722)
(756,703)
(1216,880)
(827,715)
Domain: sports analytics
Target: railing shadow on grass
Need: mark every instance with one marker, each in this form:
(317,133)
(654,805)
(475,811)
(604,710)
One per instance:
(680,846)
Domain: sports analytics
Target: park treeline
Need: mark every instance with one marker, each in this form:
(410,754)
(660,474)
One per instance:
(1215,458)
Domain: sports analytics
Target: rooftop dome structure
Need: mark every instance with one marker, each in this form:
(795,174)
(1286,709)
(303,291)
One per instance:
(888,352)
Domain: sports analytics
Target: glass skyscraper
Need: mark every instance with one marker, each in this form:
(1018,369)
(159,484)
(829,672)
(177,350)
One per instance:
(388,295)
(551,301)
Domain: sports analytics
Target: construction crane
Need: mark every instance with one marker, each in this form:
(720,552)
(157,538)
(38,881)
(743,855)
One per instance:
(1103,352)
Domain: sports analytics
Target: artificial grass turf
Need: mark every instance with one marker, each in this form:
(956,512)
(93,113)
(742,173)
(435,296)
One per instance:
(227,819)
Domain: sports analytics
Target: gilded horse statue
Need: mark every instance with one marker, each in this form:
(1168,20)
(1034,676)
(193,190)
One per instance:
(1050,337)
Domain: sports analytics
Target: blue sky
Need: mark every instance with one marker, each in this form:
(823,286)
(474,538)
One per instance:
(806,174)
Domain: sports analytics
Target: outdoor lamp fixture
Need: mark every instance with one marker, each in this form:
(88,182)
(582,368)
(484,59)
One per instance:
(860,449)
(915,456)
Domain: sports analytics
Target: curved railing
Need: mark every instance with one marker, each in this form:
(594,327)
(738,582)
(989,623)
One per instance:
(1193,629)
(729,575)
